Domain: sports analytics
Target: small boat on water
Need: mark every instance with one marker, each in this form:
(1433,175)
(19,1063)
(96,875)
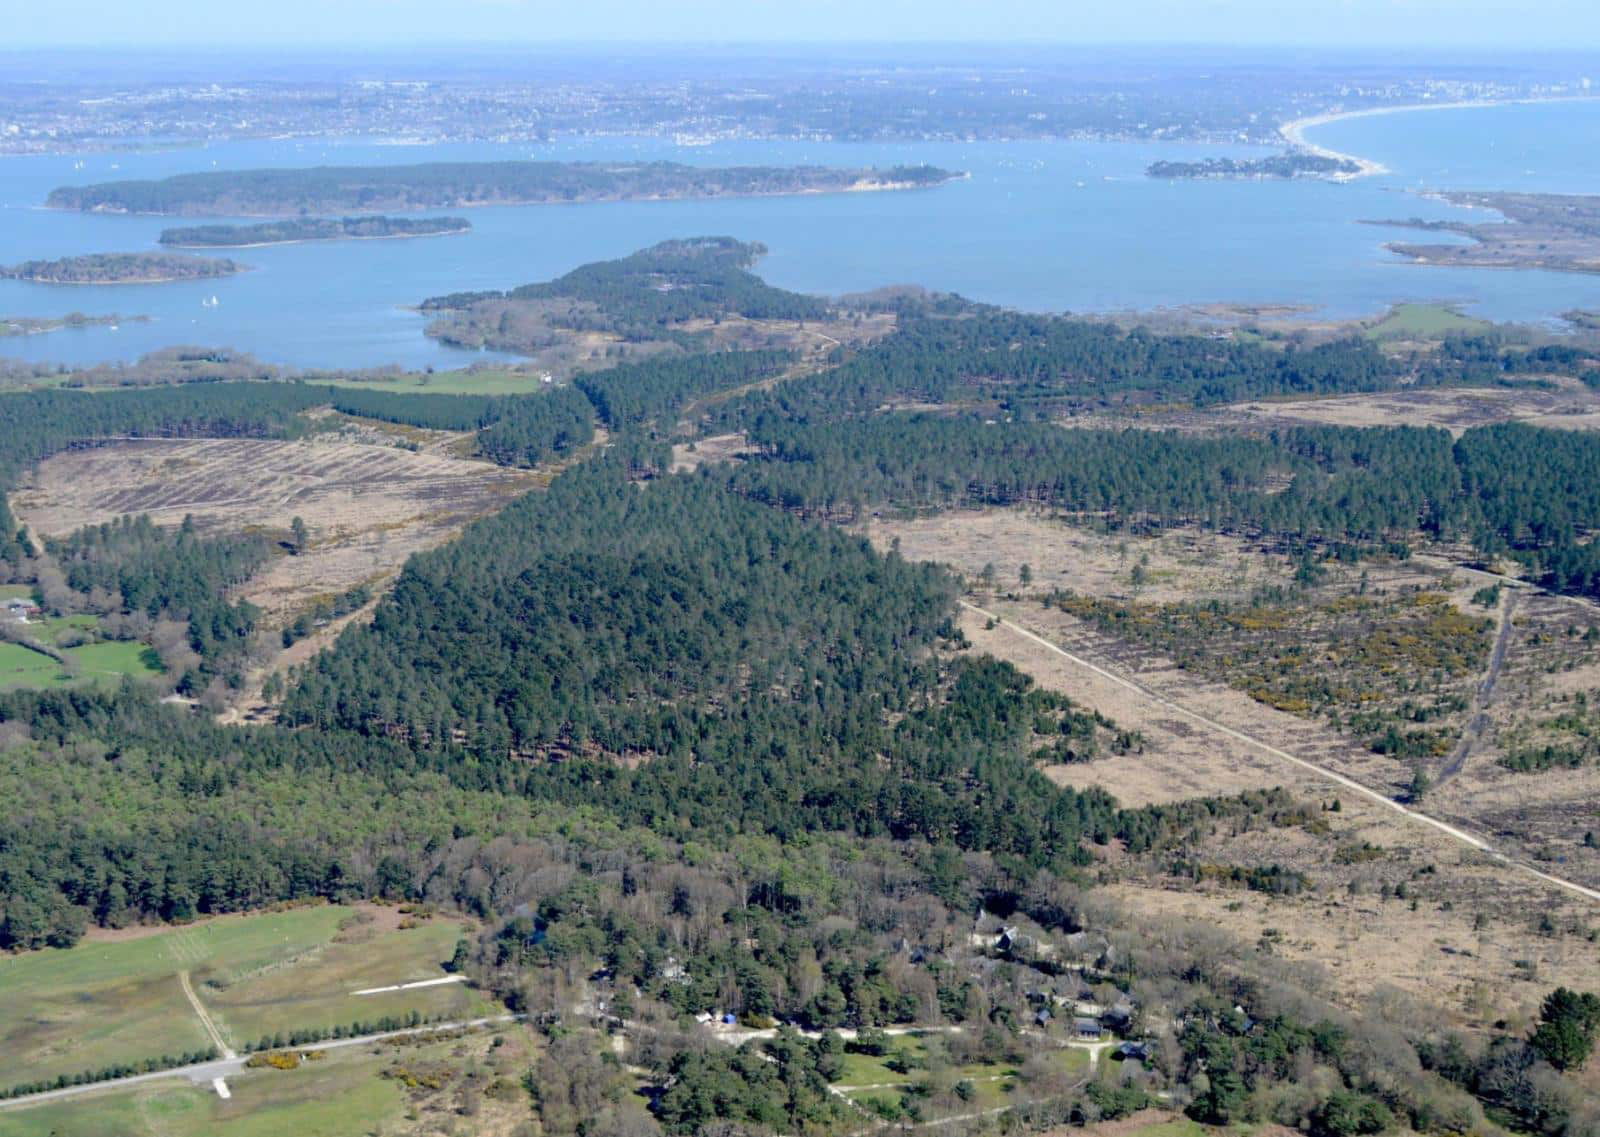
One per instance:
(211,302)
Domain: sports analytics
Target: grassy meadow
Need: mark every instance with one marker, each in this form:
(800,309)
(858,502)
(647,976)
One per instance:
(104,1002)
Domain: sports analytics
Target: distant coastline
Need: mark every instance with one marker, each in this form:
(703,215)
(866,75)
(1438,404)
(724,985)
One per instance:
(1293,131)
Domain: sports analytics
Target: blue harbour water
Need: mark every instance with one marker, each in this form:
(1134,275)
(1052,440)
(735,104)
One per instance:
(1045,226)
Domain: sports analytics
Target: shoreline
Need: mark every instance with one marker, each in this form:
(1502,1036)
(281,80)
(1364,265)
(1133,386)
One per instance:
(1293,131)
(131,280)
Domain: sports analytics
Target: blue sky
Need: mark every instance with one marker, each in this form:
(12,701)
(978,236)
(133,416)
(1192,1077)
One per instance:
(1570,24)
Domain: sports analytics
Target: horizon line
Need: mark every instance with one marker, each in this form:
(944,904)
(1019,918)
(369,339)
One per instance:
(1485,49)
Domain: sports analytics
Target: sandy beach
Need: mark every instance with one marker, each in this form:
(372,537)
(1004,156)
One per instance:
(1294,131)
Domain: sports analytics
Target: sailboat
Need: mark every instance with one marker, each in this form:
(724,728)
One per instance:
(210,303)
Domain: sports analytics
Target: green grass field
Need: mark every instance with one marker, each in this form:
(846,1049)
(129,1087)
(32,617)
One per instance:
(315,988)
(100,1003)
(341,1096)
(864,1070)
(489,381)
(1182,1127)
(1423,321)
(23,667)
(108,662)
(105,663)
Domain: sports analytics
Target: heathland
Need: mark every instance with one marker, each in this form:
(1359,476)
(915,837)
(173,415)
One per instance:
(1000,720)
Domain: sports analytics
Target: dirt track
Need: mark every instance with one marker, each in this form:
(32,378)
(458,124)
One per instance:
(1322,772)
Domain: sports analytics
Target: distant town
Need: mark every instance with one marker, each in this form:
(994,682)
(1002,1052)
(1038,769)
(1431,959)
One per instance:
(919,98)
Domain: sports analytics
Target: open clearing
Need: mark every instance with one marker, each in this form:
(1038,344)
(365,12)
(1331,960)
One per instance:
(104,1001)
(357,1090)
(317,987)
(514,380)
(1461,948)
(1473,919)
(105,663)
(1568,407)
(368,507)
(1565,405)
(1534,775)
(341,1095)
(1424,322)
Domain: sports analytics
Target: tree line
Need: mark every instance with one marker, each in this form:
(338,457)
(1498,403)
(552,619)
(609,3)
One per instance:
(1529,492)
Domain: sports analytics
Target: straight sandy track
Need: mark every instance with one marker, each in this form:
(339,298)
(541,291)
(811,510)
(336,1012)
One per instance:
(205,1018)
(1323,772)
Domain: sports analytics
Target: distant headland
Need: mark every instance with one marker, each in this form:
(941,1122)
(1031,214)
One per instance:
(1555,232)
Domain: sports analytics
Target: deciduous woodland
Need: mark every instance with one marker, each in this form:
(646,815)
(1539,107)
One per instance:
(684,744)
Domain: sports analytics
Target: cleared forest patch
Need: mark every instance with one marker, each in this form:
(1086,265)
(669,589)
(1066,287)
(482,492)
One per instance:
(1178,564)
(1376,899)
(1384,651)
(366,507)
(1372,896)
(1534,778)
(1567,406)
(1559,403)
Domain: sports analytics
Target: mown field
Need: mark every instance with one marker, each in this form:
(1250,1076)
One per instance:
(348,1093)
(105,663)
(313,989)
(1424,321)
(336,1097)
(107,1002)
(467,381)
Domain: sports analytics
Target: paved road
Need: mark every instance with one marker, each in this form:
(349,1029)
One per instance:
(1351,784)
(203,1073)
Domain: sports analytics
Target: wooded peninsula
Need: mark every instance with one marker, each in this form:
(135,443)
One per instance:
(437,185)
(121,268)
(311,229)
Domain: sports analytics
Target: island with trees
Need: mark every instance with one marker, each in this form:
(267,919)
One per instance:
(37,325)
(1559,232)
(441,185)
(121,268)
(1294,164)
(290,232)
